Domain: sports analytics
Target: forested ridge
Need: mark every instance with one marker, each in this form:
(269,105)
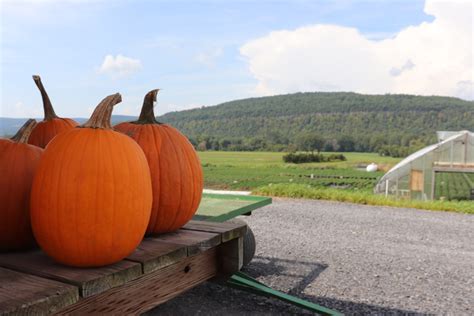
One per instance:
(390,124)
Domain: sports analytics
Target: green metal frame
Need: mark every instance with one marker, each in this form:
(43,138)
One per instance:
(257,202)
(244,282)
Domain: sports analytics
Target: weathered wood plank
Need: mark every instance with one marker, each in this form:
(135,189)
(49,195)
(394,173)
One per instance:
(23,294)
(171,262)
(89,281)
(151,289)
(231,256)
(153,254)
(228,230)
(195,241)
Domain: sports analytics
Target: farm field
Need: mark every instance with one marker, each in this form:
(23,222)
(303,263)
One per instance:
(249,170)
(265,173)
(454,186)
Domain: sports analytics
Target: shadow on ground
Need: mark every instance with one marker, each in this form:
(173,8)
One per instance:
(290,276)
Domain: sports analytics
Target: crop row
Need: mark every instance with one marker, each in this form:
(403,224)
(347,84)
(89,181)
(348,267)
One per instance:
(453,186)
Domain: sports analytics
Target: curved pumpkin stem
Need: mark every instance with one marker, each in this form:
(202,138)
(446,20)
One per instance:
(147,115)
(24,132)
(103,112)
(49,113)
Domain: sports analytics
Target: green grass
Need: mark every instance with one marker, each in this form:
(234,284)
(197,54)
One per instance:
(265,173)
(368,198)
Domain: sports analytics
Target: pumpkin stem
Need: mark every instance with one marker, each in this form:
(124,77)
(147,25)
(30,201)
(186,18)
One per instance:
(147,115)
(103,112)
(24,132)
(47,106)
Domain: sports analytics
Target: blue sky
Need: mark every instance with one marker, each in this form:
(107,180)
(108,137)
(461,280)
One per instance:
(193,50)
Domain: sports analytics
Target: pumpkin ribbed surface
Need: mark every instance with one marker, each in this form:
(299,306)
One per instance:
(18,163)
(91,195)
(175,169)
(45,131)
(176,174)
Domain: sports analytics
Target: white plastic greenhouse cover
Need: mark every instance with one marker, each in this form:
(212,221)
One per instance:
(442,135)
(400,168)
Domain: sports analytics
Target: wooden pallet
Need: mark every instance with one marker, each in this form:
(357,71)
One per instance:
(161,268)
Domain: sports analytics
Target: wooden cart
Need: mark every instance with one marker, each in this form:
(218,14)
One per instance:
(161,268)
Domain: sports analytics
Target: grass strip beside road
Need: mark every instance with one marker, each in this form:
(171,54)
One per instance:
(360,197)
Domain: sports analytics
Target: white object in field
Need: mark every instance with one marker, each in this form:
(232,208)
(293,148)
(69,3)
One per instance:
(372,167)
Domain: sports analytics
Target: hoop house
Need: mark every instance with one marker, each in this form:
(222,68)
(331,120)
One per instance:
(415,176)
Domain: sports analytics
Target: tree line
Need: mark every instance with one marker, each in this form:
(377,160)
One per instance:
(343,143)
(392,125)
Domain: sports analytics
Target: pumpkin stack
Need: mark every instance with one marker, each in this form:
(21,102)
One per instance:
(18,163)
(92,196)
(52,125)
(175,169)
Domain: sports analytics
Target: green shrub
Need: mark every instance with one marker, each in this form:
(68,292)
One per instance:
(310,157)
(337,157)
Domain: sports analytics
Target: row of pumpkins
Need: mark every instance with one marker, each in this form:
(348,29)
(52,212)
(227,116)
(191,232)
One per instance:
(87,194)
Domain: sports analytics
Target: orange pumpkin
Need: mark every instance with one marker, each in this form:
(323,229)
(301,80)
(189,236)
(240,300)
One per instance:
(91,195)
(52,124)
(18,162)
(176,172)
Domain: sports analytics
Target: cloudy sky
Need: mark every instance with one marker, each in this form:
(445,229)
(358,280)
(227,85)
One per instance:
(207,52)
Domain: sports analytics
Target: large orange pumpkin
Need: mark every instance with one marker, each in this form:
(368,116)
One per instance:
(176,172)
(91,195)
(18,162)
(52,124)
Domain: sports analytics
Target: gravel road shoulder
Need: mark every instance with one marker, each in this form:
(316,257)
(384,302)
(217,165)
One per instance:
(354,258)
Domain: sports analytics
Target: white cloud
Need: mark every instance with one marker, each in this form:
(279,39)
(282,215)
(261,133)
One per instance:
(433,58)
(209,58)
(120,66)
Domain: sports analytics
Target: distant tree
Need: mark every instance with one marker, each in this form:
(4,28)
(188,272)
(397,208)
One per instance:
(291,148)
(225,143)
(331,145)
(193,141)
(213,144)
(256,143)
(416,144)
(276,137)
(202,146)
(310,142)
(346,143)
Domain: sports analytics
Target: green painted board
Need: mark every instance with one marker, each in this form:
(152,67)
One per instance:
(222,207)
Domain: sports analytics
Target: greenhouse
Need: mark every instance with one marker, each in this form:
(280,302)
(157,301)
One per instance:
(444,170)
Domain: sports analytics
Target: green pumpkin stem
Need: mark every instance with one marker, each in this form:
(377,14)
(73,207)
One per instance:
(147,115)
(103,113)
(24,132)
(49,113)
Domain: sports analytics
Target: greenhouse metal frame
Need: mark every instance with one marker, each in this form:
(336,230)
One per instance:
(414,177)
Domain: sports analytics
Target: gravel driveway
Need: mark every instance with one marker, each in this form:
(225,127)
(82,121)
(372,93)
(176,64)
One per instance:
(354,258)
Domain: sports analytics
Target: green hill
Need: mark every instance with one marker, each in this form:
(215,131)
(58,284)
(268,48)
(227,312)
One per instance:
(347,121)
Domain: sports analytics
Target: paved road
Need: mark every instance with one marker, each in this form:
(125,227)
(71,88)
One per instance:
(353,258)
